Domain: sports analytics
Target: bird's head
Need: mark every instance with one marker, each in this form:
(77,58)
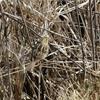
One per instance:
(45,40)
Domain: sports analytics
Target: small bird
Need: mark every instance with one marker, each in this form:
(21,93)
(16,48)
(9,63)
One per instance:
(40,51)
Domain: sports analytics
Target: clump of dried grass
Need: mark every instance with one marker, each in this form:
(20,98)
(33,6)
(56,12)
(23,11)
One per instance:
(72,69)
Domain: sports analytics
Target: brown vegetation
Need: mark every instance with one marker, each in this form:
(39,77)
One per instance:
(71,71)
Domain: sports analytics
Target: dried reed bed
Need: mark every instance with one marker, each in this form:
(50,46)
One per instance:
(71,70)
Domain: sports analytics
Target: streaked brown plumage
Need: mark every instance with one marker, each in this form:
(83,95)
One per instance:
(40,51)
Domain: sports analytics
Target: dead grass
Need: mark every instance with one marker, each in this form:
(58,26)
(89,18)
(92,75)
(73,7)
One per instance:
(72,69)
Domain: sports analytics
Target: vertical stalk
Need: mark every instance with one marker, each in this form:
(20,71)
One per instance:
(8,66)
(92,35)
(39,83)
(95,29)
